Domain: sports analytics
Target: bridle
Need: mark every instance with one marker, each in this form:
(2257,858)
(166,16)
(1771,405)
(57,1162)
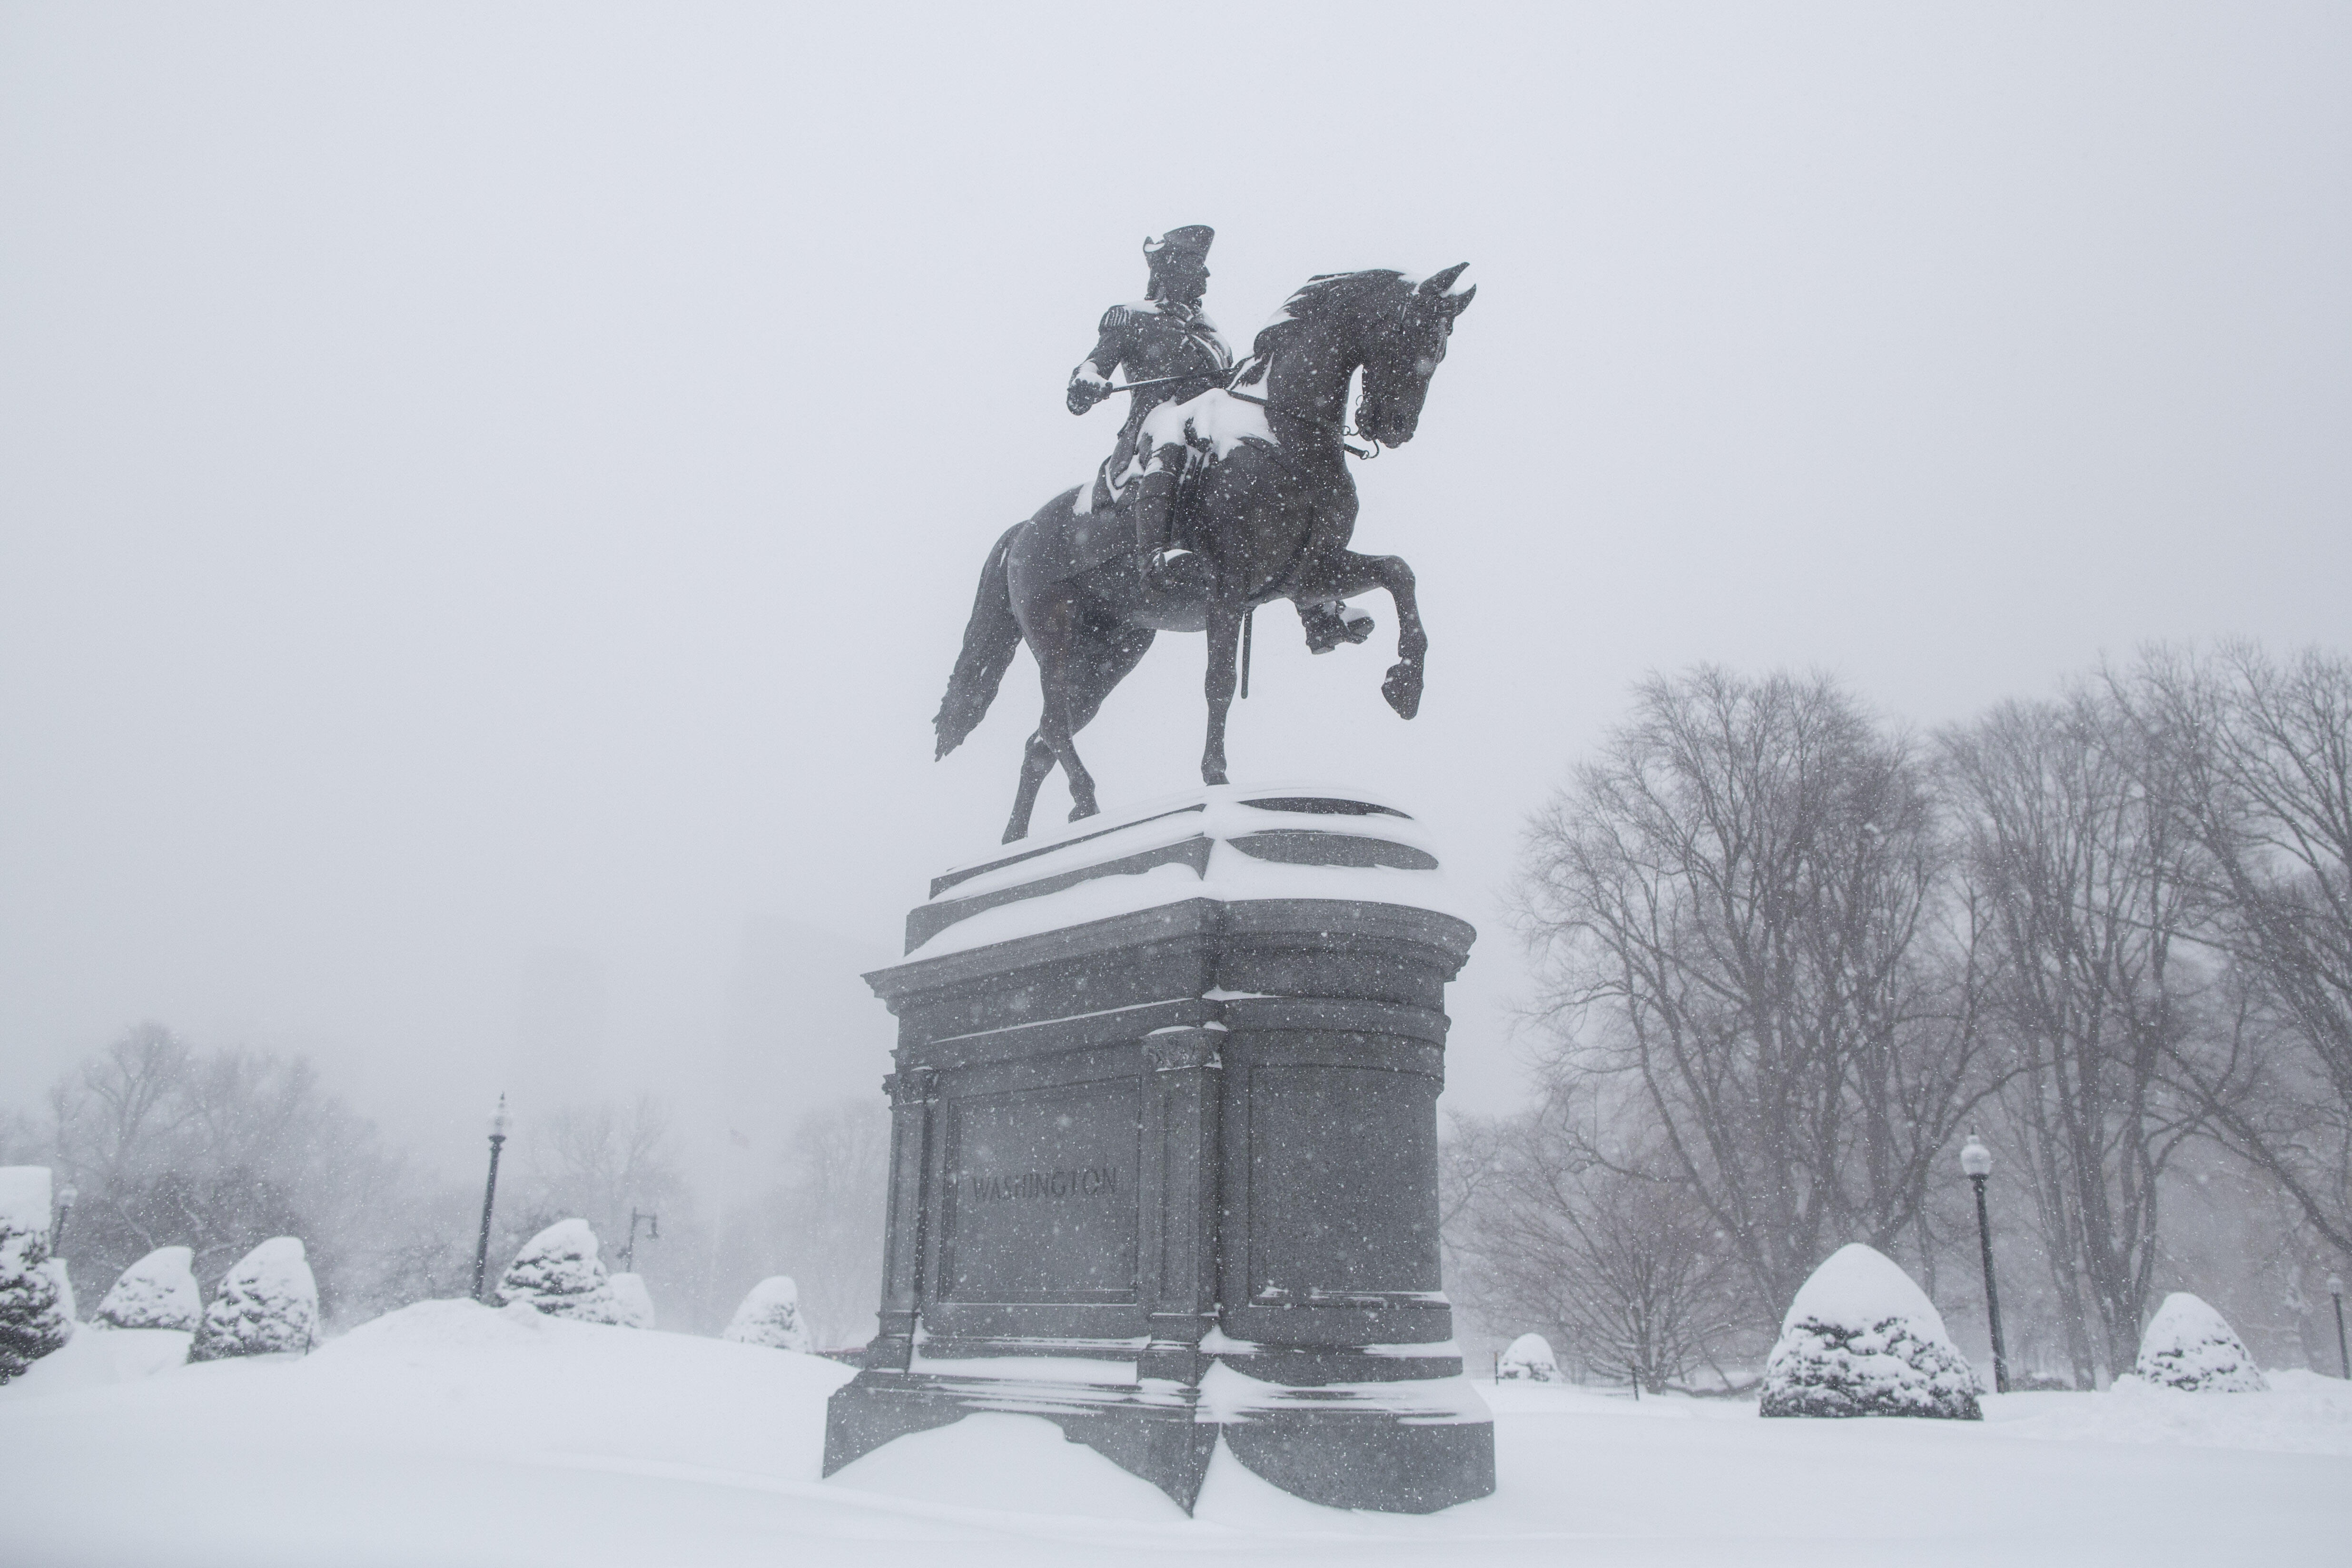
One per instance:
(1346,429)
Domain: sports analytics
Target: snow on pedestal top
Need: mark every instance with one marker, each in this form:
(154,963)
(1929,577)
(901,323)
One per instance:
(1229,843)
(25,1198)
(2189,1345)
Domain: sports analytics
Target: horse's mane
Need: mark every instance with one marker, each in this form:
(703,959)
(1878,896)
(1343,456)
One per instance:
(1321,296)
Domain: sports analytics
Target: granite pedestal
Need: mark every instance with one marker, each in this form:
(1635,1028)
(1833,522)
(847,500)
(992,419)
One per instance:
(1164,1153)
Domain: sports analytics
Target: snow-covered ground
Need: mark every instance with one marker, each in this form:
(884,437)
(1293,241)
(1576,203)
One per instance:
(451,1434)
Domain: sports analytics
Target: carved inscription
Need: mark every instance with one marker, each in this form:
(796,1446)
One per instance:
(1040,1195)
(1095,1181)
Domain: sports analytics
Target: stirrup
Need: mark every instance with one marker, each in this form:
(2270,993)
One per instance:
(1167,564)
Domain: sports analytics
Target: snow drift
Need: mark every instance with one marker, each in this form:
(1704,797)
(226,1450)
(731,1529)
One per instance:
(1861,1340)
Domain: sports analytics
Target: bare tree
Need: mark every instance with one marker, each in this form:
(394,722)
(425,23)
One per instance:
(1734,908)
(1622,1269)
(216,1152)
(2087,887)
(2259,765)
(821,1221)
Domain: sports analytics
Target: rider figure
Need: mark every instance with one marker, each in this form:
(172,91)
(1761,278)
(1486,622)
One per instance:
(1161,336)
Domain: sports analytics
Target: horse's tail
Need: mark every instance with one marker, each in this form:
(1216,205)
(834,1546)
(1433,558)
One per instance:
(989,640)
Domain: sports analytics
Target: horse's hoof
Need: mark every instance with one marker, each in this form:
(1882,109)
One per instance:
(1213,776)
(1402,689)
(1016,833)
(1085,809)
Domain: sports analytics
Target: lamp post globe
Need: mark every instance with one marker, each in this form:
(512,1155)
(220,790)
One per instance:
(499,1123)
(1976,1164)
(2343,1352)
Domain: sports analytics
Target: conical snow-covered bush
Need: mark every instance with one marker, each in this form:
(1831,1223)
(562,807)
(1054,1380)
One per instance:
(35,1303)
(266,1305)
(1861,1340)
(633,1301)
(770,1315)
(559,1273)
(2189,1345)
(56,1269)
(159,1292)
(1529,1360)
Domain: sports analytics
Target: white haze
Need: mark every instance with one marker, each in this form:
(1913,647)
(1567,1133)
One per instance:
(490,496)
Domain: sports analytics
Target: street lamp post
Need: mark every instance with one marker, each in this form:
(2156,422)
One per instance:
(66,1195)
(499,1122)
(1976,1160)
(653,1233)
(2336,1288)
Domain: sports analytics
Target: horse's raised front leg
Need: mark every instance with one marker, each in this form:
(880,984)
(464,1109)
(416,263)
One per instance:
(1224,664)
(1354,574)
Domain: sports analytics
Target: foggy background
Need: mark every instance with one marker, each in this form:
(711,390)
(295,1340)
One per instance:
(489,498)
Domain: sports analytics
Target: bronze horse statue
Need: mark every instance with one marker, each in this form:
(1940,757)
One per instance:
(1267,502)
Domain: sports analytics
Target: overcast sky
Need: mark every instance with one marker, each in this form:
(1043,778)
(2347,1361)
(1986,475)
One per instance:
(489,496)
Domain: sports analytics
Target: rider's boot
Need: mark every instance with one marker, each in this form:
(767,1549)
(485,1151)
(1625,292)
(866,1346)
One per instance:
(1163,564)
(1331,621)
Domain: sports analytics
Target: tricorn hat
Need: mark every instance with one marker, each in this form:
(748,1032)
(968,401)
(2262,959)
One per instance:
(1193,240)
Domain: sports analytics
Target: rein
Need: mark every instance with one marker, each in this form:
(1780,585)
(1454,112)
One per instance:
(1346,430)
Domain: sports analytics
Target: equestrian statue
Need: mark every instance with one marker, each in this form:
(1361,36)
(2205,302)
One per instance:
(1228,490)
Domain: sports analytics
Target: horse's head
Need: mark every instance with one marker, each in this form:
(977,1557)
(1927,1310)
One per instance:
(1402,345)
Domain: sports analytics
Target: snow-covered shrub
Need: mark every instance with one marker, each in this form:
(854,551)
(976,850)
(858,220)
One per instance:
(266,1305)
(770,1315)
(1861,1340)
(2189,1345)
(159,1292)
(559,1273)
(634,1301)
(1529,1360)
(35,1303)
(56,1269)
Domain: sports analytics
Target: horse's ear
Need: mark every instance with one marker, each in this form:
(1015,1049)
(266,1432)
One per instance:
(1457,303)
(1437,283)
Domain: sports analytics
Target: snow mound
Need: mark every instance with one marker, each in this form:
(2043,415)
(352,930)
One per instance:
(266,1305)
(2189,1345)
(426,1332)
(770,1315)
(1004,1464)
(1528,1360)
(100,1360)
(1861,1340)
(557,1272)
(35,1300)
(159,1292)
(635,1302)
